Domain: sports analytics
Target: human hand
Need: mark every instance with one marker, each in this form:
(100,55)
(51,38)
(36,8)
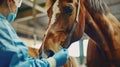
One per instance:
(61,57)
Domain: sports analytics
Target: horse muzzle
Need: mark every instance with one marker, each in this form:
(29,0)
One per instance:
(47,53)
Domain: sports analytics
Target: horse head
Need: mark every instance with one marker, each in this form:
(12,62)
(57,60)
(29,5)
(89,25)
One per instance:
(63,19)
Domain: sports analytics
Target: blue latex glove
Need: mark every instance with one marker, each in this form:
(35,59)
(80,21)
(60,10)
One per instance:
(61,57)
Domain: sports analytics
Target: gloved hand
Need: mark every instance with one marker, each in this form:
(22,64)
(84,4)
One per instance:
(61,57)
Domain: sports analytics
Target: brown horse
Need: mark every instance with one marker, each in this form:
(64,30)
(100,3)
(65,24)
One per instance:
(94,19)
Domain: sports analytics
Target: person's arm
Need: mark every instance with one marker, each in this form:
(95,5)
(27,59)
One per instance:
(14,57)
(57,60)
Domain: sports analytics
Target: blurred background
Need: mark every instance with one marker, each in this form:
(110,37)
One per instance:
(32,20)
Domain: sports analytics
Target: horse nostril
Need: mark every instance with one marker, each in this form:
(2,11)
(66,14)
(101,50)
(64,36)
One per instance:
(49,53)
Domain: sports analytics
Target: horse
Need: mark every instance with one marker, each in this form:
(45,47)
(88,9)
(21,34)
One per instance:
(69,19)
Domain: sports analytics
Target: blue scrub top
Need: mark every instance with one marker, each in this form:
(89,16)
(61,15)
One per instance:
(13,52)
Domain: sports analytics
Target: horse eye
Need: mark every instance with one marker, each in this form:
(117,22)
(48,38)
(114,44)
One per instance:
(68,9)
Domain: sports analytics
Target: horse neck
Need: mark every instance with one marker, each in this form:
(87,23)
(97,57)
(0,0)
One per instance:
(104,29)
(101,25)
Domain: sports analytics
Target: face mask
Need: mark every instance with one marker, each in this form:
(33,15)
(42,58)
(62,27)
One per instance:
(11,17)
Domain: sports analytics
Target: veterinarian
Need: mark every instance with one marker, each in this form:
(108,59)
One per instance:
(13,52)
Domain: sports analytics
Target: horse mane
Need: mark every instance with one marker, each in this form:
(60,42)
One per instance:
(98,6)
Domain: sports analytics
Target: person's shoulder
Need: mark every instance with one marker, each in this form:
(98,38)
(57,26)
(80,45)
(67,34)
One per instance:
(3,22)
(2,18)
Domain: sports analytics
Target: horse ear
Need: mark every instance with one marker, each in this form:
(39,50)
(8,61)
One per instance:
(49,4)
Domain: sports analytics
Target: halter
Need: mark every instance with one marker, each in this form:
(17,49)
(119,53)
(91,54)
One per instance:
(67,41)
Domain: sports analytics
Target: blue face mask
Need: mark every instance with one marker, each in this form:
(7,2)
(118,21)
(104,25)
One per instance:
(11,17)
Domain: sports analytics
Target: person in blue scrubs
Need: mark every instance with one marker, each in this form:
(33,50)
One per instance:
(13,52)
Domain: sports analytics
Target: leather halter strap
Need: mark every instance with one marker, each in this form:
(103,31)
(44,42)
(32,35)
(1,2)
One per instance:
(67,41)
